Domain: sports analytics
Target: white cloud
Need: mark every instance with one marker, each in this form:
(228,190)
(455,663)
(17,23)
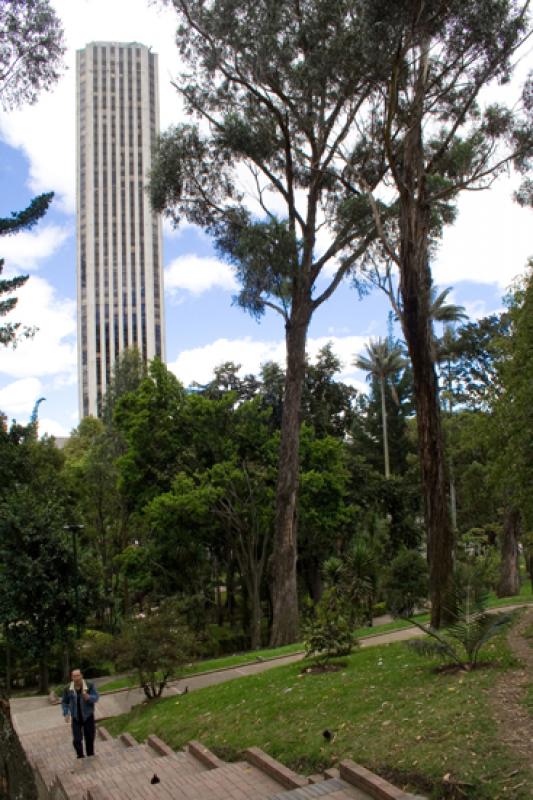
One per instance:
(45,132)
(198,363)
(20,396)
(51,427)
(197,275)
(52,351)
(27,248)
(490,242)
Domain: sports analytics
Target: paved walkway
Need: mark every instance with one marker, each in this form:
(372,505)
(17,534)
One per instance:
(37,714)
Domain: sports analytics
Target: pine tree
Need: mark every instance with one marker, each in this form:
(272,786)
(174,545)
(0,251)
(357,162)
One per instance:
(24,220)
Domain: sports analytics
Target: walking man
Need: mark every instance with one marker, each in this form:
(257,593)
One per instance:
(78,703)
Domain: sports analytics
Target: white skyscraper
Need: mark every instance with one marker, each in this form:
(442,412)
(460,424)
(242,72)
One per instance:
(120,278)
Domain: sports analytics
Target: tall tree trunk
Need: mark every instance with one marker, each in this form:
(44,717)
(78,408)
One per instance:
(9,675)
(284,582)
(453,495)
(529,567)
(415,286)
(509,584)
(43,674)
(313,577)
(384,427)
(417,331)
(230,591)
(254,582)
(16,775)
(65,659)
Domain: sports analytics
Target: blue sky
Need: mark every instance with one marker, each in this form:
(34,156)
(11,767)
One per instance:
(480,255)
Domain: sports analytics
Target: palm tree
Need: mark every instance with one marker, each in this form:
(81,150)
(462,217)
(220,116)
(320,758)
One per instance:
(441,311)
(380,362)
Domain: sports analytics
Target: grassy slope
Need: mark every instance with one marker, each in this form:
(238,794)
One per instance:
(238,659)
(396,716)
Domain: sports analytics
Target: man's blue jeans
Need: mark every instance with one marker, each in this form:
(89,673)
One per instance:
(83,730)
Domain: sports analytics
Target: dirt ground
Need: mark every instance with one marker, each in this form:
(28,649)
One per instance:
(514,721)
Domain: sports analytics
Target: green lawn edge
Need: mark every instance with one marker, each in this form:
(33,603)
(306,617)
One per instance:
(388,709)
(242,659)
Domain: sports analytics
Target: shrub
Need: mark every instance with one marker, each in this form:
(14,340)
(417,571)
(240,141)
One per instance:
(472,627)
(406,583)
(155,645)
(328,632)
(220,640)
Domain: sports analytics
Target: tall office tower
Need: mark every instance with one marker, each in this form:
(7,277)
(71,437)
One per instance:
(120,278)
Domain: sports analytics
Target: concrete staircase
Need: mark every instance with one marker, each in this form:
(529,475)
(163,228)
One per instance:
(123,769)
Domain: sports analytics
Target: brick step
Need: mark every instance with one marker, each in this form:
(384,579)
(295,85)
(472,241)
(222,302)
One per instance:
(332,789)
(238,781)
(64,762)
(142,768)
(63,756)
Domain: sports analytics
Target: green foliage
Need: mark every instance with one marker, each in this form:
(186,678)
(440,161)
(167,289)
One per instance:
(155,644)
(31,52)
(94,652)
(36,569)
(386,708)
(328,632)
(18,221)
(149,421)
(461,641)
(406,583)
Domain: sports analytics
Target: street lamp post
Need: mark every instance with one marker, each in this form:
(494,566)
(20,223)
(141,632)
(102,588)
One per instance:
(73,529)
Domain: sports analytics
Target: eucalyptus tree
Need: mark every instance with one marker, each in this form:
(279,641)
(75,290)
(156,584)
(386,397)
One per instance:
(279,91)
(380,363)
(513,419)
(441,137)
(448,314)
(31,50)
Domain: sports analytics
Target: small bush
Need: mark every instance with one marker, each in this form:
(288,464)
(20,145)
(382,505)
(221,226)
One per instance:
(461,642)
(328,632)
(155,645)
(406,583)
(221,640)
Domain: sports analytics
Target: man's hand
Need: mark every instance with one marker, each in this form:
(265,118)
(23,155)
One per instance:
(67,718)
(86,696)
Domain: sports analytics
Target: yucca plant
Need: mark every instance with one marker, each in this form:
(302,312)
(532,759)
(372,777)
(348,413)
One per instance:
(471,629)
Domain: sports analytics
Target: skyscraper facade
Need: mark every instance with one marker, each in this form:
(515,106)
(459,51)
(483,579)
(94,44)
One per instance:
(120,278)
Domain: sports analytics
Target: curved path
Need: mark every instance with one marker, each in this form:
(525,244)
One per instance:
(509,704)
(36,713)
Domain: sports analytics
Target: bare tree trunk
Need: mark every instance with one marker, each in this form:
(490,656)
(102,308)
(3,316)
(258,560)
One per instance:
(313,577)
(284,583)
(509,584)
(415,286)
(529,567)
(417,331)
(16,776)
(453,495)
(230,591)
(65,660)
(384,427)
(255,610)
(43,674)
(9,675)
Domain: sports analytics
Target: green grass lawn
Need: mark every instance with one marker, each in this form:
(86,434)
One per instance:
(389,710)
(525,595)
(240,659)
